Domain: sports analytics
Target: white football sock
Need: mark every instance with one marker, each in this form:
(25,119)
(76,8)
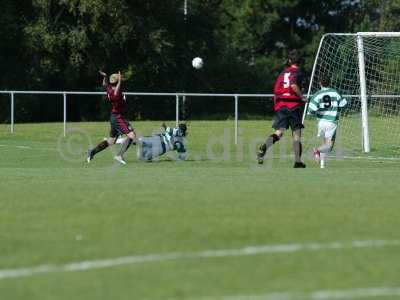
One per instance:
(322,160)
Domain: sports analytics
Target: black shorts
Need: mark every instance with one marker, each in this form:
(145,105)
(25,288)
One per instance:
(286,117)
(119,125)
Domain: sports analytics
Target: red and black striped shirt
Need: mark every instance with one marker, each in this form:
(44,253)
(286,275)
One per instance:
(117,101)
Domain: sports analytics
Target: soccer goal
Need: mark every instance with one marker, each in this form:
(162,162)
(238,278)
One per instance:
(365,68)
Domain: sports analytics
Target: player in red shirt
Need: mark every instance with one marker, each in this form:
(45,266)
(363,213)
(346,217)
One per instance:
(118,121)
(288,106)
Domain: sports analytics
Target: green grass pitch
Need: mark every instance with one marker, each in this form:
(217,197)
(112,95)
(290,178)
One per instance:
(55,209)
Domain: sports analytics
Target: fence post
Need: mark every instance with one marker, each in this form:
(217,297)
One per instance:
(177,110)
(236,119)
(65,113)
(12,113)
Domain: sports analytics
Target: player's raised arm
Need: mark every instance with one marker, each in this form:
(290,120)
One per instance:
(118,86)
(105,78)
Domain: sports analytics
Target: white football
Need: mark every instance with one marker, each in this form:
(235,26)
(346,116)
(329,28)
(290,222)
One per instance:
(197,63)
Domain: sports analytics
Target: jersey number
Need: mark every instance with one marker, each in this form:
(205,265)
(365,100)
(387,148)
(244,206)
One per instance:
(286,80)
(327,101)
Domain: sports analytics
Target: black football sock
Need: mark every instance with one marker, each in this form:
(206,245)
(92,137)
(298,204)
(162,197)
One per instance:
(125,146)
(301,150)
(272,139)
(100,147)
(298,149)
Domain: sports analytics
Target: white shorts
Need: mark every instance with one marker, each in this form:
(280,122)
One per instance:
(326,129)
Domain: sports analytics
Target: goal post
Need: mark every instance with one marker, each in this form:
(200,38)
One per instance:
(363,94)
(365,68)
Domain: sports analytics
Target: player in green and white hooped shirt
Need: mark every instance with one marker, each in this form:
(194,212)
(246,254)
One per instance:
(325,104)
(172,139)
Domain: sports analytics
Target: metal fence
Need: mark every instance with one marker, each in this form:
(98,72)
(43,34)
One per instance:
(178,96)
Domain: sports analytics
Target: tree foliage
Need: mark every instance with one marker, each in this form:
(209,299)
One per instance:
(61,44)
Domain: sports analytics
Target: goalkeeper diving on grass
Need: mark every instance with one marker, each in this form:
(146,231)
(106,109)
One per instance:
(325,105)
(172,139)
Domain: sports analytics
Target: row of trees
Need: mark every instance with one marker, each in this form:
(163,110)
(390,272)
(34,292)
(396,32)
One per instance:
(61,44)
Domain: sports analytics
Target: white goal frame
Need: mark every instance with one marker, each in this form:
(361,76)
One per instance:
(361,69)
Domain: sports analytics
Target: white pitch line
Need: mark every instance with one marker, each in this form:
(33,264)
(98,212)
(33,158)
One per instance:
(373,292)
(160,257)
(16,146)
(390,158)
(28,147)
(357,293)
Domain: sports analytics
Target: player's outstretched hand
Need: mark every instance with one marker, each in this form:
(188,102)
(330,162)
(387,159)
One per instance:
(119,76)
(103,74)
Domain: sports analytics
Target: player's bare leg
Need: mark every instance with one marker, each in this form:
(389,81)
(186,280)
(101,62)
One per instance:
(131,136)
(272,139)
(100,147)
(297,149)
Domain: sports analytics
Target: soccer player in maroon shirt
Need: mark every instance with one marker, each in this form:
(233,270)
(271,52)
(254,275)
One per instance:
(288,106)
(118,120)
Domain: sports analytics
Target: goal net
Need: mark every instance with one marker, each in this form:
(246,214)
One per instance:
(365,69)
